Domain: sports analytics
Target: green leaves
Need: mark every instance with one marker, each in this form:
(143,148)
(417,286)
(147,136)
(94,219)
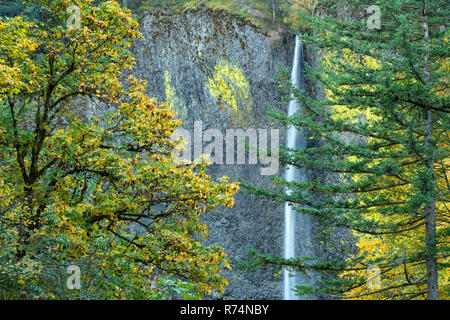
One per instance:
(371,147)
(100,192)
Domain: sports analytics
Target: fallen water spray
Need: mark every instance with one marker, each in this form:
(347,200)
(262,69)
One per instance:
(297,227)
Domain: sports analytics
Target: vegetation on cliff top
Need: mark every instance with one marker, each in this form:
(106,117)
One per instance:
(267,15)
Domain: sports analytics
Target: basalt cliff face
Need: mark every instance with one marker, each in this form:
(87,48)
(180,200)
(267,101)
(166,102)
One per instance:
(214,68)
(219,72)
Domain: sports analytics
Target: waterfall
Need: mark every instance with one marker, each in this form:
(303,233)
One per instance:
(297,227)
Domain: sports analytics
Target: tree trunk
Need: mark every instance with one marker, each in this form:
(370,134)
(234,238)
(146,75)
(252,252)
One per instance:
(430,224)
(274,10)
(430,207)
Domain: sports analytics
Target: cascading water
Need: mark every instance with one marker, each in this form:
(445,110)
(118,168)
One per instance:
(297,227)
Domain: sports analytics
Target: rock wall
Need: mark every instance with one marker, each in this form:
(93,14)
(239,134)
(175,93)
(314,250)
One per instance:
(210,67)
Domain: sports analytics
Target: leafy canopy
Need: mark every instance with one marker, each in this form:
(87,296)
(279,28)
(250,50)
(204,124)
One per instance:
(97,190)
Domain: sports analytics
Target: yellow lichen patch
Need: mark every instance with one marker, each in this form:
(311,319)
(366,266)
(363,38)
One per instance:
(232,91)
(170,95)
(171,98)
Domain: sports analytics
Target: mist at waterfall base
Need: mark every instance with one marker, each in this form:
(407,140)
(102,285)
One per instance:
(297,227)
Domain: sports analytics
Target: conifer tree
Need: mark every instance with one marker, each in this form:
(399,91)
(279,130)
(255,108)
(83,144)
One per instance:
(383,130)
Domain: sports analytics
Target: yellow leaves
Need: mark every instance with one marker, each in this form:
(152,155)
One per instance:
(332,60)
(371,247)
(308,6)
(102,178)
(79,210)
(16,66)
(443,67)
(291,16)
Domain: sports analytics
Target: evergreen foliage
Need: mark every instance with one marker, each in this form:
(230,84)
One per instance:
(383,130)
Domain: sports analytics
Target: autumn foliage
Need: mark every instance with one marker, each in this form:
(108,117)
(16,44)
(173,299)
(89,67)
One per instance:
(99,191)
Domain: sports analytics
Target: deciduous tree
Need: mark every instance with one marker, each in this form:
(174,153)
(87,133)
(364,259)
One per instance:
(99,191)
